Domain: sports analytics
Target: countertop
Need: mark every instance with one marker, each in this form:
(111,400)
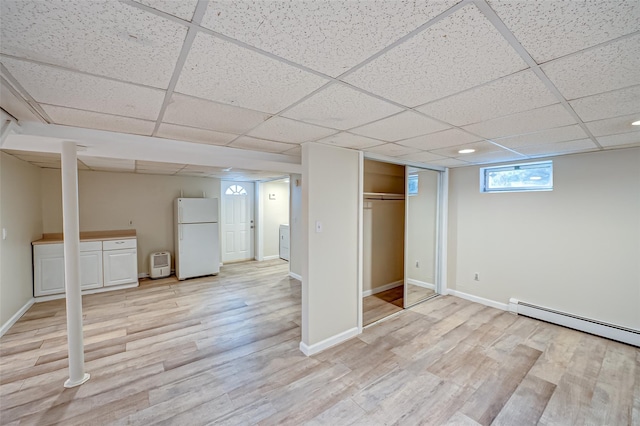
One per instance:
(121,234)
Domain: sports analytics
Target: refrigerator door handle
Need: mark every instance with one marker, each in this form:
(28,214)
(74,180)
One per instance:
(180,215)
(180,232)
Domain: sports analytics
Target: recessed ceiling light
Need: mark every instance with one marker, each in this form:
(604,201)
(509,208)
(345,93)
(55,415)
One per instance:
(466,151)
(636,123)
(228,169)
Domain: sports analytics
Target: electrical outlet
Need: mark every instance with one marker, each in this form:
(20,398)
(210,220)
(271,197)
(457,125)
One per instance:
(476,276)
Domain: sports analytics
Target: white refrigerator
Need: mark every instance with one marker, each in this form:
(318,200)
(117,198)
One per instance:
(197,237)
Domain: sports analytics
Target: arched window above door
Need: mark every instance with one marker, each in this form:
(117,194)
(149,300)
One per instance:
(235,190)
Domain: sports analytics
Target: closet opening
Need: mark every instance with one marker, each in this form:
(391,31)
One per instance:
(401,212)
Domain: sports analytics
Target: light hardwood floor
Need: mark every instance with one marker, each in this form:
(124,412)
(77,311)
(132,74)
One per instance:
(224,350)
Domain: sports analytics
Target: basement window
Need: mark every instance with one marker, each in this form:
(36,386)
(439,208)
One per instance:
(517,177)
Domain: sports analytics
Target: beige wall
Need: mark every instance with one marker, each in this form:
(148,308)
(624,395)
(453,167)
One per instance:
(330,267)
(20,216)
(275,213)
(574,249)
(296,249)
(111,200)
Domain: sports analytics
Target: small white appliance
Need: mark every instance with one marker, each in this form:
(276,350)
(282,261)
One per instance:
(160,263)
(197,237)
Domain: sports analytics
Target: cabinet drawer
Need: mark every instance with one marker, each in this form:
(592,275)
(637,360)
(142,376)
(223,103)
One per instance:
(90,245)
(119,244)
(56,249)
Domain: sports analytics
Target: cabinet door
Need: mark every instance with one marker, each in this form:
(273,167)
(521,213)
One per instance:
(120,266)
(48,275)
(91,270)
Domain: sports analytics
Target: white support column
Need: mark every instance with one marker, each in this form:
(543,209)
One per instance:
(71,229)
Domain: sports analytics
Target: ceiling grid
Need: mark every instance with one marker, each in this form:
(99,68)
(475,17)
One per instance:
(418,81)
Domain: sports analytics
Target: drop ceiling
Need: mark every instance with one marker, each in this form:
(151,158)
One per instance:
(414,80)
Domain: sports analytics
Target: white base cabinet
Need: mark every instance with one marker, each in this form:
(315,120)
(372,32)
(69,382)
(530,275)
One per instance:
(98,268)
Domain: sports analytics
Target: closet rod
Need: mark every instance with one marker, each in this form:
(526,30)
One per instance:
(383,196)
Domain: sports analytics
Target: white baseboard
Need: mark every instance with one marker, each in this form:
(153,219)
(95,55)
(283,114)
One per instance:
(309,350)
(275,256)
(7,325)
(610,331)
(380,289)
(296,276)
(478,299)
(421,284)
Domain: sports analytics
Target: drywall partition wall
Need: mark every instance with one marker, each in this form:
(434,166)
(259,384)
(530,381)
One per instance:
(275,212)
(20,217)
(330,203)
(574,249)
(295,225)
(142,202)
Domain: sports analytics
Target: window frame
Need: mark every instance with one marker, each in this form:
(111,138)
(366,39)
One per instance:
(484,173)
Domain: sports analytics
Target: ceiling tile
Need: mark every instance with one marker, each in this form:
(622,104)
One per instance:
(194,112)
(401,126)
(550,29)
(95,120)
(612,126)
(449,162)
(491,157)
(559,134)
(247,142)
(392,150)
(559,147)
(624,139)
(155,172)
(55,86)
(102,163)
(192,134)
(451,137)
(337,35)
(606,105)
(523,122)
(348,140)
(582,74)
(422,157)
(32,156)
(223,72)
(183,9)
(481,147)
(341,107)
(515,93)
(461,51)
(108,38)
(286,130)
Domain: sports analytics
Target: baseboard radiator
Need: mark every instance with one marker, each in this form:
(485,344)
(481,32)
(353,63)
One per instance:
(599,328)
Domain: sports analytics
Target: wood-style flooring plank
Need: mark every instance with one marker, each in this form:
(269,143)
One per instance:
(225,350)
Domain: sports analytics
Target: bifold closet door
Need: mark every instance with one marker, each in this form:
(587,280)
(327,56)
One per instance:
(421,235)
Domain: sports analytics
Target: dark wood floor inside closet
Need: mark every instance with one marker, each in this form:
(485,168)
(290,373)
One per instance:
(225,350)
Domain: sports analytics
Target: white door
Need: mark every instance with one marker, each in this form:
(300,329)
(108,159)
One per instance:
(237,221)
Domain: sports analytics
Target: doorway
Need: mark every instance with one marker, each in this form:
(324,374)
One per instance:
(237,218)
(401,237)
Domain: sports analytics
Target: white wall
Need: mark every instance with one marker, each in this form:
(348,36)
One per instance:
(574,249)
(296,249)
(330,266)
(275,212)
(109,201)
(20,216)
